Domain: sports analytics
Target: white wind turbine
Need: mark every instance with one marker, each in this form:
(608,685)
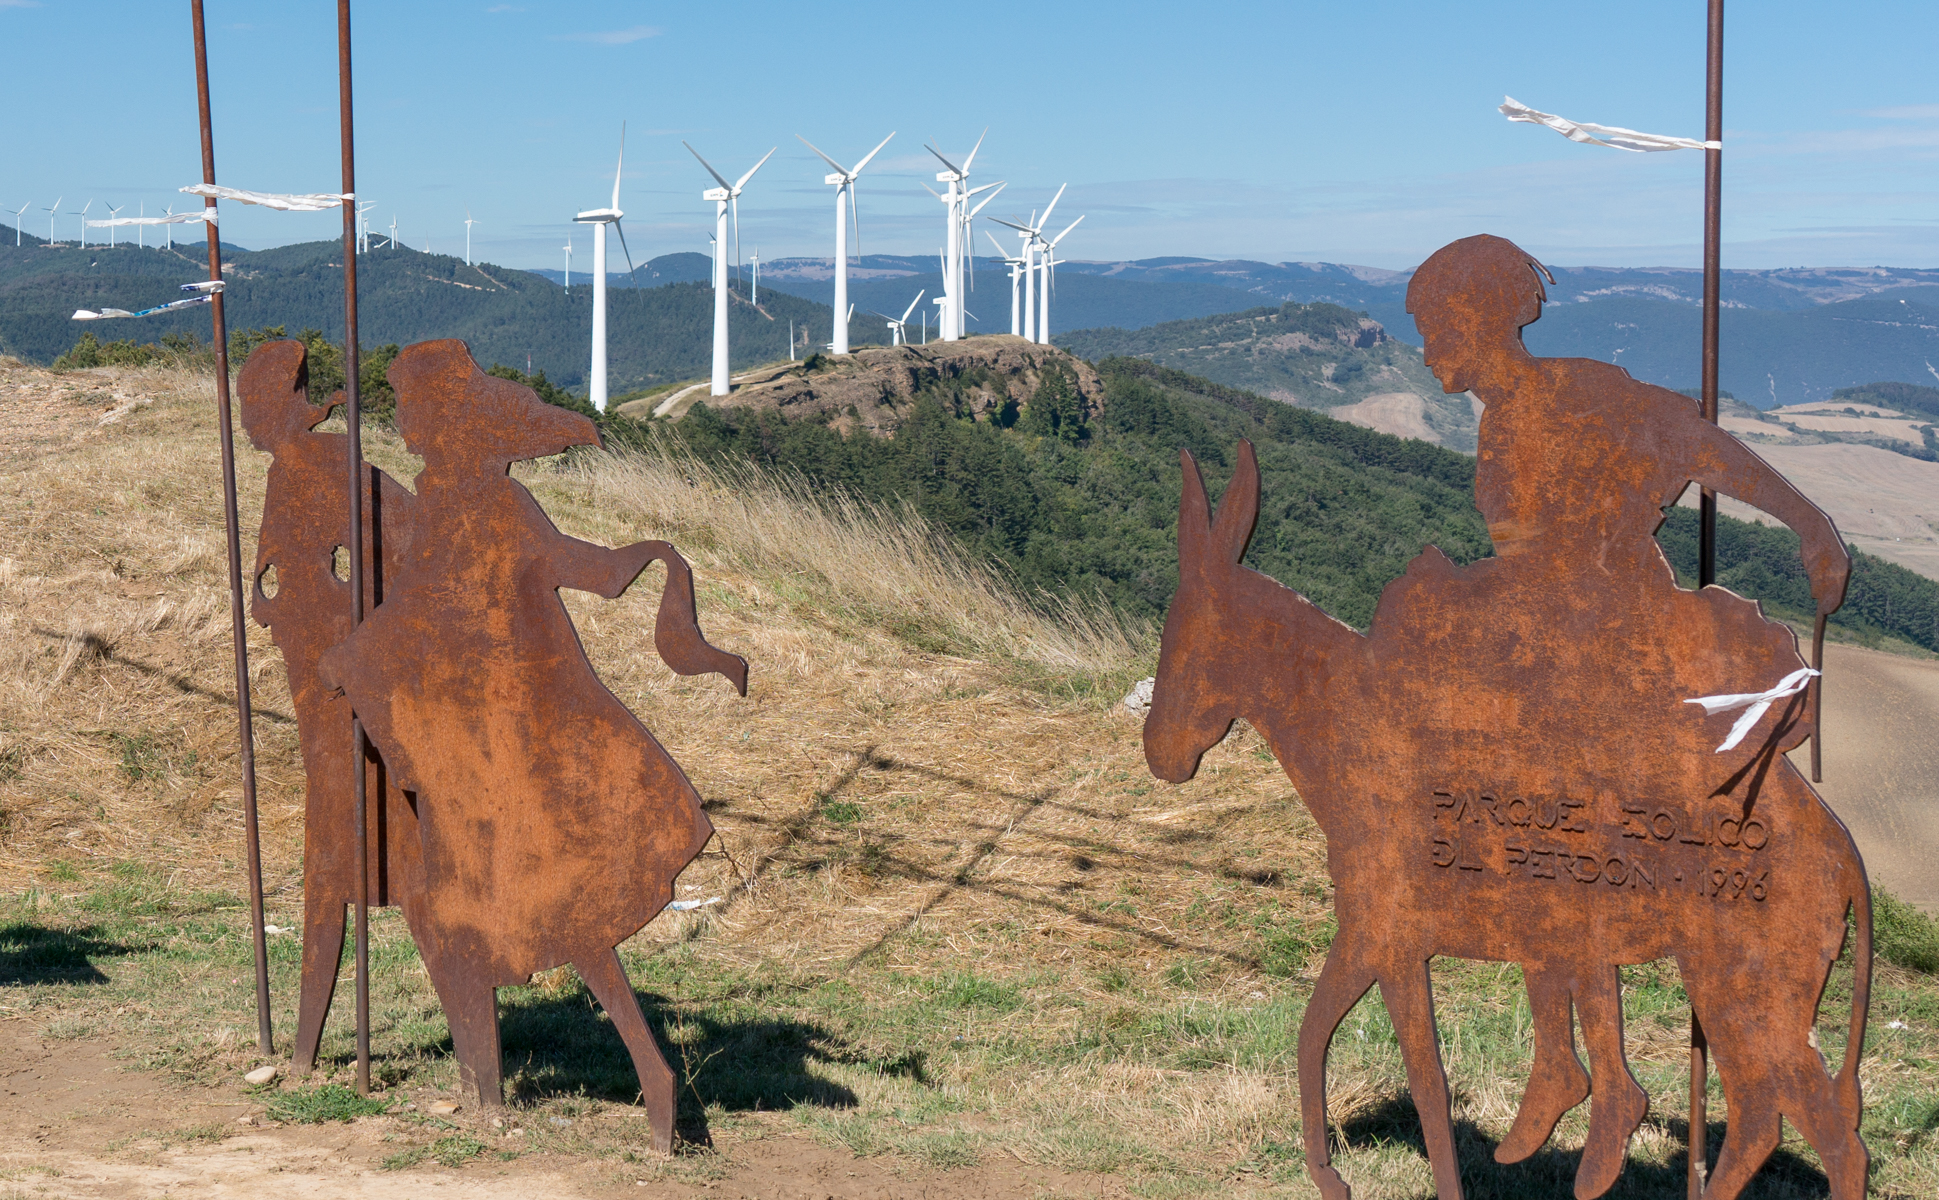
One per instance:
(1032,235)
(469,222)
(363,227)
(1017,270)
(51,210)
(17,222)
(724,196)
(83,214)
(1050,278)
(599,218)
(843,181)
(112,212)
(899,326)
(393,232)
(568,266)
(958,180)
(168,231)
(141,230)
(754,289)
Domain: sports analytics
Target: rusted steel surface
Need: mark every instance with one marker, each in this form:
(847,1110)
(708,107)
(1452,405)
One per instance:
(298,595)
(548,823)
(1504,767)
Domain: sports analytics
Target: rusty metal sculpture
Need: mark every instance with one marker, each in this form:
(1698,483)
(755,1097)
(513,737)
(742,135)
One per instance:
(1504,766)
(530,819)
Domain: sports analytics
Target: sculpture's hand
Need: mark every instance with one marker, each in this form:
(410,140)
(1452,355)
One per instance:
(625,565)
(1828,564)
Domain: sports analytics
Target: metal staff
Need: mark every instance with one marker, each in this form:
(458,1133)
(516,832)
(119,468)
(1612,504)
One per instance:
(238,627)
(354,416)
(1713,206)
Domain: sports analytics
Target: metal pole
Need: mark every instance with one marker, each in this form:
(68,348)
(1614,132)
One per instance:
(1713,193)
(353,411)
(238,624)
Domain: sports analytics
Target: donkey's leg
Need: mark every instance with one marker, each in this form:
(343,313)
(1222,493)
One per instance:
(322,956)
(1620,1102)
(1409,994)
(606,976)
(471,1008)
(1341,984)
(1820,1117)
(1557,1082)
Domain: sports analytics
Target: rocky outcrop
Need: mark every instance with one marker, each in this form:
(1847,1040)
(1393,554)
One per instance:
(873,388)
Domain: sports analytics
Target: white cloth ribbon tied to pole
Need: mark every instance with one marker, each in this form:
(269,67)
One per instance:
(1754,704)
(204,293)
(312,202)
(187,218)
(1612,135)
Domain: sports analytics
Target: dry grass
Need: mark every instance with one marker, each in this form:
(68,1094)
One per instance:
(958,916)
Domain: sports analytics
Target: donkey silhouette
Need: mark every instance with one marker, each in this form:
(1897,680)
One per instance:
(1504,768)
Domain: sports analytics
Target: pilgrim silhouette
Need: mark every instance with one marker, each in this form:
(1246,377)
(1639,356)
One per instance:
(1505,766)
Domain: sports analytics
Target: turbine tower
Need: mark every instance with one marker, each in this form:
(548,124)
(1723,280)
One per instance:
(469,222)
(1016,266)
(17,222)
(843,181)
(1032,235)
(51,210)
(724,196)
(754,289)
(393,232)
(363,227)
(599,218)
(112,213)
(568,265)
(83,214)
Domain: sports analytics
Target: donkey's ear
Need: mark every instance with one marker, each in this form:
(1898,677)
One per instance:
(1194,514)
(1239,507)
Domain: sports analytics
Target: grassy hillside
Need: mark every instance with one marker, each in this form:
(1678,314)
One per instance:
(655,335)
(1318,356)
(964,943)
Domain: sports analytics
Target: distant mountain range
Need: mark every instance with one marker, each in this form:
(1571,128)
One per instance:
(1789,336)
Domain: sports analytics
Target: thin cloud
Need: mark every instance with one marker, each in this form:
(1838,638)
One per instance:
(1906,112)
(19,3)
(613,37)
(498,8)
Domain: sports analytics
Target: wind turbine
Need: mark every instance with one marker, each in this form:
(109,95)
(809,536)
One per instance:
(168,231)
(51,210)
(754,260)
(843,181)
(958,180)
(111,228)
(599,218)
(1032,237)
(363,227)
(83,214)
(898,326)
(17,222)
(724,196)
(393,232)
(141,230)
(469,222)
(568,265)
(1016,266)
(1050,278)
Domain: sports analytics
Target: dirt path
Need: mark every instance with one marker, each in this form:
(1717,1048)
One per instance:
(1881,762)
(75,1122)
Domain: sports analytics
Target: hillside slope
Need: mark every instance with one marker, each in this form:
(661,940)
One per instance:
(1317,356)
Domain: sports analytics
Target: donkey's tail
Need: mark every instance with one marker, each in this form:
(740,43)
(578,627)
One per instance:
(676,634)
(1846,1083)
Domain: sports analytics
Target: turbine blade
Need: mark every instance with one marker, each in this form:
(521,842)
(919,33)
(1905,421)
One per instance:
(939,158)
(734,203)
(710,167)
(1053,205)
(1011,224)
(621,231)
(932,191)
(1067,229)
(871,154)
(742,181)
(618,168)
(1001,252)
(912,305)
(975,148)
(987,199)
(840,169)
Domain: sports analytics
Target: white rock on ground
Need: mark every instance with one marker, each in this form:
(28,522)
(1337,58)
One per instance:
(1139,701)
(260,1076)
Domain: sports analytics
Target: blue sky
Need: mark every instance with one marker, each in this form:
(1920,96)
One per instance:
(1347,132)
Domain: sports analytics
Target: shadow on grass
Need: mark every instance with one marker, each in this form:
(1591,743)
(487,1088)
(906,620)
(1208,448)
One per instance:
(559,1046)
(33,954)
(1550,1172)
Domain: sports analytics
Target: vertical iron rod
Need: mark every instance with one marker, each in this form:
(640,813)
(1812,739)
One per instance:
(1713,205)
(238,620)
(353,415)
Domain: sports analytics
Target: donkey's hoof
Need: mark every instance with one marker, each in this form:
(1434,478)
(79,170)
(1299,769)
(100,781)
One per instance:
(1331,1186)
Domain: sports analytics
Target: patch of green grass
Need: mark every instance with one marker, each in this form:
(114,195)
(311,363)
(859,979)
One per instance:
(965,990)
(840,812)
(323,1102)
(1903,935)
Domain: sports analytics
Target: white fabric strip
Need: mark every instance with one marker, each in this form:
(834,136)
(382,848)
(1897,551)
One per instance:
(1754,704)
(1612,135)
(106,313)
(313,202)
(187,218)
